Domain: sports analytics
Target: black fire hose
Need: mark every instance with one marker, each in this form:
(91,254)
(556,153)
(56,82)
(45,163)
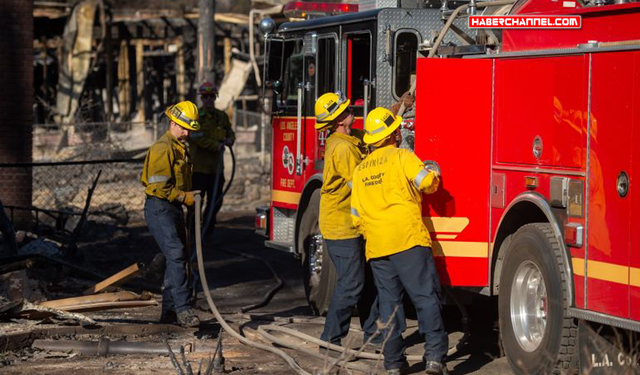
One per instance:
(217,200)
(205,287)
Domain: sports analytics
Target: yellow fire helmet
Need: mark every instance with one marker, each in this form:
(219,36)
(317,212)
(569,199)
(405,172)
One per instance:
(328,107)
(380,124)
(184,114)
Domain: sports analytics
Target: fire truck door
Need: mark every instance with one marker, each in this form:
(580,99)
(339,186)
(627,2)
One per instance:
(457,135)
(287,77)
(614,93)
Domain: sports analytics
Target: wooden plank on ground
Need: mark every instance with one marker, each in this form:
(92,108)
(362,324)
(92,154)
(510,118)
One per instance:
(111,305)
(73,303)
(115,280)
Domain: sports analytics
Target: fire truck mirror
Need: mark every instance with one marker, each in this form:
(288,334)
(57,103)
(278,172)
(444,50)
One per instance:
(275,52)
(267,25)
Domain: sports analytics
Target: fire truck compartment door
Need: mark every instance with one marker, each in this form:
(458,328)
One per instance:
(453,128)
(539,111)
(615,97)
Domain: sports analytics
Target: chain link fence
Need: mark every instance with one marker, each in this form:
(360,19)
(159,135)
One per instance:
(60,191)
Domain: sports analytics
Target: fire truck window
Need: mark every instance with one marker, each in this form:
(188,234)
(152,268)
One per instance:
(326,67)
(358,66)
(406,48)
(292,75)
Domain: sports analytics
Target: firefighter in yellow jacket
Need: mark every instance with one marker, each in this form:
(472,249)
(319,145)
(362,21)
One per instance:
(167,179)
(386,209)
(344,151)
(205,146)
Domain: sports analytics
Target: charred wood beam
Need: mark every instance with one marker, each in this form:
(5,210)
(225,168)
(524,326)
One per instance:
(152,32)
(167,22)
(193,26)
(109,71)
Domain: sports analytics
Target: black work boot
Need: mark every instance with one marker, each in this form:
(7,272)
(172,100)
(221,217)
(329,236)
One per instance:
(168,317)
(399,371)
(436,368)
(188,319)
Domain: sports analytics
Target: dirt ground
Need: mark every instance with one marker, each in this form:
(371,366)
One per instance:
(235,282)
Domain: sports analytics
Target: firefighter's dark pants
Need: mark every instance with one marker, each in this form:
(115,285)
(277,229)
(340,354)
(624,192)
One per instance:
(413,270)
(348,258)
(166,224)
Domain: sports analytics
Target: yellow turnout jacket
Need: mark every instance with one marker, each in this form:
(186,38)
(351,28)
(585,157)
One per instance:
(167,169)
(386,201)
(342,154)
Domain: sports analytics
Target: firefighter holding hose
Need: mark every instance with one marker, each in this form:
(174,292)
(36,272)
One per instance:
(166,176)
(344,151)
(386,209)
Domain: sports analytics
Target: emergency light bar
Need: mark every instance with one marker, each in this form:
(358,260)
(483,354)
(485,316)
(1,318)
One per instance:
(299,9)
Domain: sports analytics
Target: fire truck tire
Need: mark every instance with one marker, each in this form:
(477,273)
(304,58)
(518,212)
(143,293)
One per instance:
(318,271)
(537,334)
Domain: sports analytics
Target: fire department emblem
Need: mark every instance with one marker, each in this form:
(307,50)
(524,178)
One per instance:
(537,147)
(287,160)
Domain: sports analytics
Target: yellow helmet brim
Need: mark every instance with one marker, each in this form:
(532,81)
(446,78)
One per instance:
(333,116)
(322,125)
(185,123)
(375,138)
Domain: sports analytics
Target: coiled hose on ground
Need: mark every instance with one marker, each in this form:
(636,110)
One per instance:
(263,330)
(205,286)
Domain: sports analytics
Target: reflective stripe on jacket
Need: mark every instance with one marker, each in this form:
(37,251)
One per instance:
(342,154)
(204,145)
(386,201)
(167,169)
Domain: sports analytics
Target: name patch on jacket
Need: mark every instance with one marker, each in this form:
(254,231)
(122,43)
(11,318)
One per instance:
(376,179)
(373,162)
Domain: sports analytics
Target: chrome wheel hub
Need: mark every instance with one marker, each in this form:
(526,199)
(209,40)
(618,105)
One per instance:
(528,305)
(316,248)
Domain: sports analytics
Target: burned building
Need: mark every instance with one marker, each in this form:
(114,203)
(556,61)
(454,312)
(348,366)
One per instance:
(114,66)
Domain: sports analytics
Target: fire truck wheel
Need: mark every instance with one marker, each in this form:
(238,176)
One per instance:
(537,334)
(318,271)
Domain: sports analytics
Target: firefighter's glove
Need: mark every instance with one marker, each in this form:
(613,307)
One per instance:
(407,99)
(188,197)
(434,170)
(432,166)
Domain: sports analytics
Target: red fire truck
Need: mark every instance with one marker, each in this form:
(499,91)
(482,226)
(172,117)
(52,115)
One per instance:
(371,57)
(533,130)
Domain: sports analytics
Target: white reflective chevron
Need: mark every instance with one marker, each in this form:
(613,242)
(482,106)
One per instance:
(158,178)
(419,177)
